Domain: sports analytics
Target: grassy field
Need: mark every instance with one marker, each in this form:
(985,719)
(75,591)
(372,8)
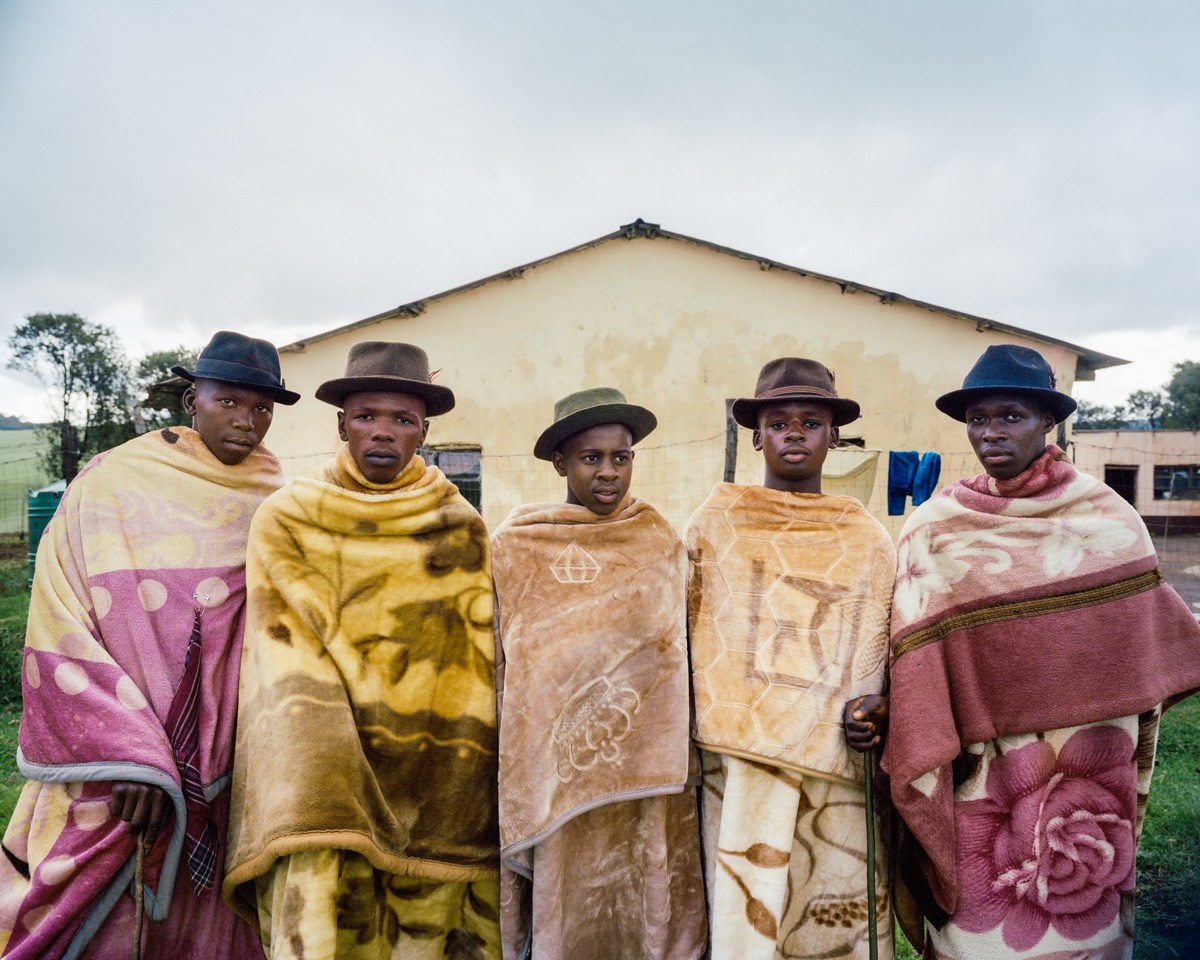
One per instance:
(20,471)
(1168,914)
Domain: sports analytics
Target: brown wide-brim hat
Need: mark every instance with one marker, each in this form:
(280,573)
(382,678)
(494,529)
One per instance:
(236,358)
(390,367)
(1013,369)
(795,378)
(577,412)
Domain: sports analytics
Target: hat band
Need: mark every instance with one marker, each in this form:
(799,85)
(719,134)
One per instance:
(235,373)
(800,390)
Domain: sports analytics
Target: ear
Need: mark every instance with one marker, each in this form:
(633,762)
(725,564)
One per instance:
(835,434)
(756,439)
(189,401)
(556,458)
(1048,421)
(342,425)
(424,430)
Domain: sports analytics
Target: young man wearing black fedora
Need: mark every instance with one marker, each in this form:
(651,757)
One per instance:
(1034,647)
(598,829)
(787,621)
(128,720)
(364,790)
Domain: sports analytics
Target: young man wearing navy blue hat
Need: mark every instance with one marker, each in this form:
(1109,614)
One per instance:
(1034,646)
(130,680)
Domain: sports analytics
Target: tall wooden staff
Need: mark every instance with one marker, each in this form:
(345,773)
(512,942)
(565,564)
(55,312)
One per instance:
(872,932)
(139,899)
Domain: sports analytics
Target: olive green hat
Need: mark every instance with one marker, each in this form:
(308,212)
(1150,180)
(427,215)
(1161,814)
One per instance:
(589,408)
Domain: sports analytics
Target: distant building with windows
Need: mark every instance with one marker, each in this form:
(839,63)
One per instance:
(1158,471)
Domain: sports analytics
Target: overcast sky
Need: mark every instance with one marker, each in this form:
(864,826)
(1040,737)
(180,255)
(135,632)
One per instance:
(282,168)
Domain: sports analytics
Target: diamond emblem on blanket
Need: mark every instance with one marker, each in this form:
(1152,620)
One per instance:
(575,565)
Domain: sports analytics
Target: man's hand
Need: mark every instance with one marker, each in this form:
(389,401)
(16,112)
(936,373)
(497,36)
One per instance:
(142,805)
(865,721)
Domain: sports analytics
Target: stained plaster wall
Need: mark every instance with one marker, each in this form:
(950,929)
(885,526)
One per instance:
(679,327)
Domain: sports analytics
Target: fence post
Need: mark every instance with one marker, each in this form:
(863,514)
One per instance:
(731,435)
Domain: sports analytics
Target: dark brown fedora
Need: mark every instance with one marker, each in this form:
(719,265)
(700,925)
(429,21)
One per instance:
(795,378)
(578,411)
(391,367)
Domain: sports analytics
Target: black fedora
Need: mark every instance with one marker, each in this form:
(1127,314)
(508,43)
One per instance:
(590,408)
(795,378)
(1008,368)
(391,367)
(235,358)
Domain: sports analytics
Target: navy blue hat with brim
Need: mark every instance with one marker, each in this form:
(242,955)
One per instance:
(1008,368)
(235,358)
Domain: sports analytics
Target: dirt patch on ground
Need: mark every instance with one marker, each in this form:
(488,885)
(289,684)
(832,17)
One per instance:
(12,547)
(1179,558)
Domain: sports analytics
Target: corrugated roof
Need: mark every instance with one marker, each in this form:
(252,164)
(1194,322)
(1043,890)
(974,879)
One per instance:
(1089,360)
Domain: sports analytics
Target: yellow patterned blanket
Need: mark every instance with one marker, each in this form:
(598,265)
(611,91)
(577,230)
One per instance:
(149,540)
(367,719)
(788,620)
(594,742)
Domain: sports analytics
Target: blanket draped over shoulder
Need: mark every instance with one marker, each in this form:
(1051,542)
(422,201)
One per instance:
(594,739)
(150,535)
(367,720)
(1021,606)
(788,621)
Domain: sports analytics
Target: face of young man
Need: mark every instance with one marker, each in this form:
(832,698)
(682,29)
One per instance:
(598,465)
(1007,432)
(231,418)
(794,437)
(383,430)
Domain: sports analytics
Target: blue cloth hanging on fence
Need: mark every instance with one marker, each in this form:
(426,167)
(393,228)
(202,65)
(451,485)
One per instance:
(911,473)
(902,467)
(925,480)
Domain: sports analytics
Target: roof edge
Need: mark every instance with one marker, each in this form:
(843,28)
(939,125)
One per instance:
(1091,360)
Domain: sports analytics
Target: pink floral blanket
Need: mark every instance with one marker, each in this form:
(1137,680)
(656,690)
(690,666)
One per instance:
(1022,608)
(149,535)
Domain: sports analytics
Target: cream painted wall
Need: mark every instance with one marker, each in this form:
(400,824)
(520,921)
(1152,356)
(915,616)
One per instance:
(679,327)
(1093,450)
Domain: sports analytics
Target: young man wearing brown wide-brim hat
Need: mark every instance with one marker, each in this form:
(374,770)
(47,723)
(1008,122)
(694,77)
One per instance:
(366,767)
(787,621)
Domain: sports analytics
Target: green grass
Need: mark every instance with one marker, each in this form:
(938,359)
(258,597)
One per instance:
(21,470)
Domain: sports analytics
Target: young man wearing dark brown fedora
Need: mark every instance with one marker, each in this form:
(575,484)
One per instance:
(130,681)
(598,828)
(787,621)
(364,789)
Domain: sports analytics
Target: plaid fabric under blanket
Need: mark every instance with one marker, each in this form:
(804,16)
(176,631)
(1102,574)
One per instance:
(147,547)
(1024,607)
(597,815)
(367,717)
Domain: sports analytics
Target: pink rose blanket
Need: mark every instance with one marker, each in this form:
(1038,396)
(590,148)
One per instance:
(1022,607)
(149,540)
(597,822)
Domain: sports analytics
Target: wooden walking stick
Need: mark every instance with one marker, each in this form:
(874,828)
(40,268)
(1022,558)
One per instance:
(872,932)
(139,898)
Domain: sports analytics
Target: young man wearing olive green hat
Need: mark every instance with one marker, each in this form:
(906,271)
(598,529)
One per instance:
(598,829)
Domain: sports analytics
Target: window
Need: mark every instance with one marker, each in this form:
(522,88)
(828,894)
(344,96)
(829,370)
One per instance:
(1179,482)
(462,465)
(1123,479)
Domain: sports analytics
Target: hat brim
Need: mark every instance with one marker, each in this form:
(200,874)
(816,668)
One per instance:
(954,403)
(745,410)
(640,421)
(438,399)
(232,375)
